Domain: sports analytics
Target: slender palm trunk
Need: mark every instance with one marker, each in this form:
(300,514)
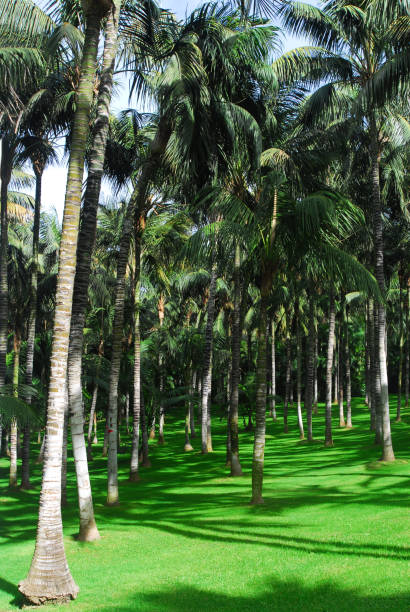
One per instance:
(407,350)
(273,372)
(299,375)
(315,362)
(192,404)
(5,175)
(88,527)
(383,396)
(310,367)
(329,366)
(367,359)
(49,577)
(288,379)
(136,407)
(261,372)
(144,434)
(376,378)
(91,422)
(31,324)
(348,373)
(206,440)
(13,427)
(401,346)
(342,422)
(235,465)
(112,425)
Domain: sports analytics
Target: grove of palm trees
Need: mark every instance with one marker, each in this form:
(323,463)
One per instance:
(205,352)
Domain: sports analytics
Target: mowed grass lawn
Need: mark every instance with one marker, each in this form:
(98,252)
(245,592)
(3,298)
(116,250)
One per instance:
(332,535)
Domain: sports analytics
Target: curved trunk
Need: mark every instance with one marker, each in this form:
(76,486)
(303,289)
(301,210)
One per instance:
(136,406)
(347,372)
(206,440)
(310,366)
(299,375)
(260,410)
(49,578)
(329,366)
(383,396)
(235,465)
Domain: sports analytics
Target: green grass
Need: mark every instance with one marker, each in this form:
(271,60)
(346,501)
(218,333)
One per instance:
(330,537)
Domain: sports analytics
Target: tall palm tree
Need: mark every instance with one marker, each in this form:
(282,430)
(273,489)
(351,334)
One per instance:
(49,577)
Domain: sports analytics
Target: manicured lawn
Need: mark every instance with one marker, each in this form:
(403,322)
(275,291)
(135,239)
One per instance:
(330,537)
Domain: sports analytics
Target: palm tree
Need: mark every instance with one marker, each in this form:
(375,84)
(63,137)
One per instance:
(369,59)
(49,577)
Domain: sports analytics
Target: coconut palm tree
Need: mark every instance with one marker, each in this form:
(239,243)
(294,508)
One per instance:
(49,578)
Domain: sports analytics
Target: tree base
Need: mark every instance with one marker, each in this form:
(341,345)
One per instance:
(161,440)
(89,533)
(329,444)
(134,477)
(257,501)
(146,463)
(188,448)
(151,435)
(342,424)
(37,595)
(236,469)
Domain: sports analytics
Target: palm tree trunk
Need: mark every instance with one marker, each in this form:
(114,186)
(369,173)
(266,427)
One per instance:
(288,379)
(49,577)
(348,373)
(64,458)
(376,375)
(401,346)
(342,422)
(191,404)
(144,434)
(5,175)
(383,396)
(235,465)
(299,374)
(13,427)
(273,372)
(310,367)
(206,440)
(261,372)
(407,357)
(88,527)
(136,406)
(91,422)
(31,324)
(367,359)
(315,362)
(372,370)
(112,425)
(329,366)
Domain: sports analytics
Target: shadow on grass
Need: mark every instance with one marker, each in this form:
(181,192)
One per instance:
(275,595)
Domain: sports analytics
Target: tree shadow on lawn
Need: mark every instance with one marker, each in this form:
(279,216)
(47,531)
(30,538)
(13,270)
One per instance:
(274,596)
